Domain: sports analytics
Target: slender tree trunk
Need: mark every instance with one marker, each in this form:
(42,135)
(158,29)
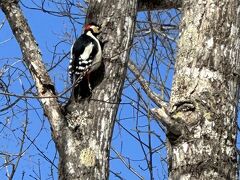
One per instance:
(205,92)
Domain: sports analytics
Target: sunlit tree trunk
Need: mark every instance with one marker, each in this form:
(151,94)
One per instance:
(205,92)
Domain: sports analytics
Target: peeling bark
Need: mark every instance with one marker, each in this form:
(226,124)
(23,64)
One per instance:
(205,92)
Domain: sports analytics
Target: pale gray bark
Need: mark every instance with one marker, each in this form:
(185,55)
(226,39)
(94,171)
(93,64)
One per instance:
(205,92)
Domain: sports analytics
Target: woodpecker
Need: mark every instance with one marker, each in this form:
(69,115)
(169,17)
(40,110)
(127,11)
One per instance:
(86,57)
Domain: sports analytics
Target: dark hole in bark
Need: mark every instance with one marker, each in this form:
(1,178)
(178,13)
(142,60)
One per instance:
(172,137)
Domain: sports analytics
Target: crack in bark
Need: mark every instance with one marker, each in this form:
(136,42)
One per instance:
(184,106)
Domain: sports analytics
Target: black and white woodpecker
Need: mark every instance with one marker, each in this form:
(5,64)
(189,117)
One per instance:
(86,57)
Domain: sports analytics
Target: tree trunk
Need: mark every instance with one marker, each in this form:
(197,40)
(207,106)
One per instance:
(85,153)
(205,92)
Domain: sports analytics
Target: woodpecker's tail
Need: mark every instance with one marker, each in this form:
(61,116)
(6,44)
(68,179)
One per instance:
(80,89)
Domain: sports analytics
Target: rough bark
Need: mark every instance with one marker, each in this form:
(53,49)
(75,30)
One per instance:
(205,92)
(85,153)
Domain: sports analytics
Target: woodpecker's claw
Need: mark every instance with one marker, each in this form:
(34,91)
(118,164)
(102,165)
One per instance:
(90,88)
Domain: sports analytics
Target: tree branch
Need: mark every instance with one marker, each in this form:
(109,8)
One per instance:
(33,59)
(145,5)
(161,113)
(153,96)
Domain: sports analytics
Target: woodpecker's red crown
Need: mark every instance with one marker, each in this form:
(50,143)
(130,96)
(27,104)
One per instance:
(96,29)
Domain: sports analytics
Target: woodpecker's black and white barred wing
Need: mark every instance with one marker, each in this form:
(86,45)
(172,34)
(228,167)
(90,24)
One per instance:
(83,52)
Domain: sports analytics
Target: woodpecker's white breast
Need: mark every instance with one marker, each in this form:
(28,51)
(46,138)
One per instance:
(87,51)
(97,60)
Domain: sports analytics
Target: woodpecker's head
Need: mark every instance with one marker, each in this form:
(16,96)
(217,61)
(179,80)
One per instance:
(94,28)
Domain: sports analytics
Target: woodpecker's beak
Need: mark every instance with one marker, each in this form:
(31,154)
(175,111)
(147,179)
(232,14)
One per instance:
(99,29)
(96,29)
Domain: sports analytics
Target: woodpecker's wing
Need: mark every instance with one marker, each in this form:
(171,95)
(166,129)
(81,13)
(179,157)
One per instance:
(83,52)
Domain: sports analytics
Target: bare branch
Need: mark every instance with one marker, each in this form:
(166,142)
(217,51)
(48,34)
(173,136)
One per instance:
(21,152)
(127,164)
(153,96)
(2,23)
(161,113)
